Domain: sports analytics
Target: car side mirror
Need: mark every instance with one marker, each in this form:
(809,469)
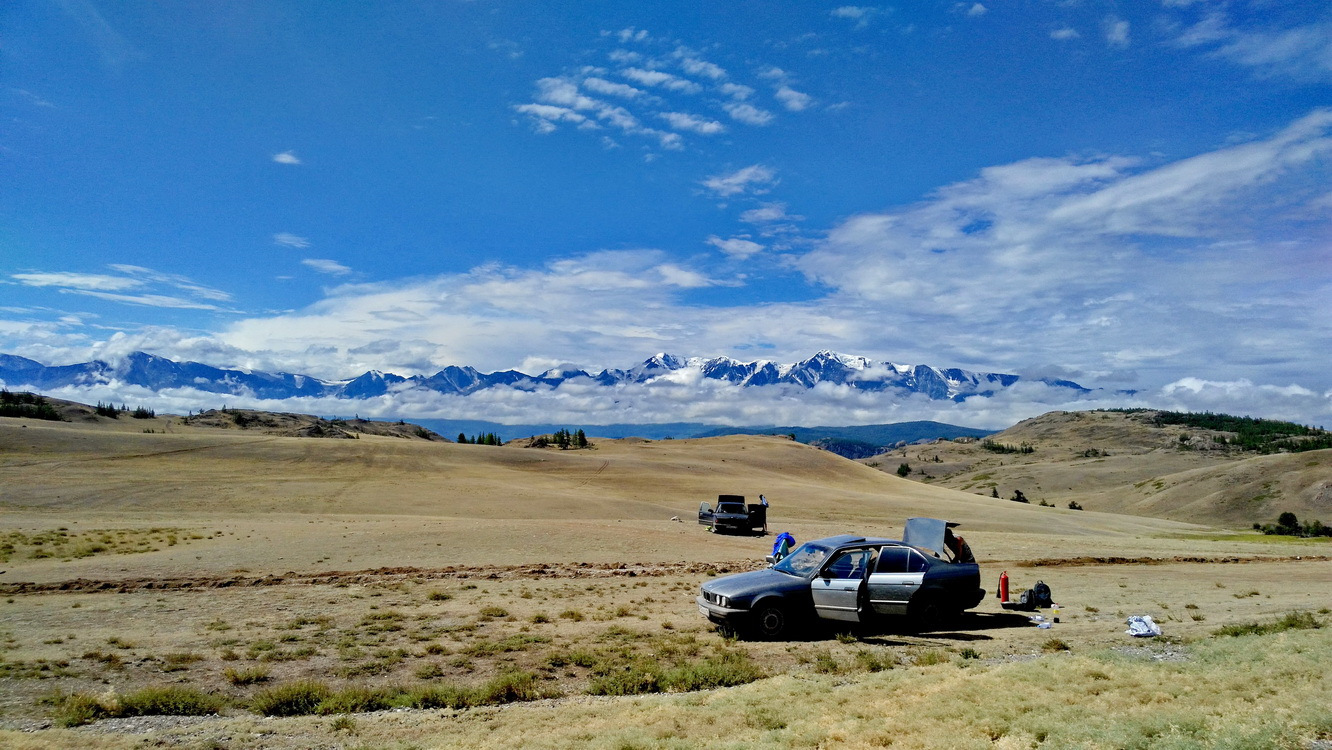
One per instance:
(770,559)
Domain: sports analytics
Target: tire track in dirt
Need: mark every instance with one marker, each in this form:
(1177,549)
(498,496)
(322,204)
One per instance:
(382,576)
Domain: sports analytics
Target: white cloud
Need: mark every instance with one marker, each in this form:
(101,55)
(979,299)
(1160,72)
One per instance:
(694,65)
(287,239)
(610,88)
(736,91)
(736,247)
(772,73)
(747,113)
(1004,265)
(286,157)
(1300,52)
(977,10)
(752,179)
(1065,33)
(1116,31)
(79,281)
(324,265)
(661,79)
(631,34)
(793,100)
(768,213)
(684,121)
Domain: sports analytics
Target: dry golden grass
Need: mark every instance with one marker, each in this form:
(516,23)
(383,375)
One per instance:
(1134,467)
(464,563)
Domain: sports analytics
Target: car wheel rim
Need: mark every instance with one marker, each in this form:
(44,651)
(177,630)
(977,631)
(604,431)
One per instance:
(771,621)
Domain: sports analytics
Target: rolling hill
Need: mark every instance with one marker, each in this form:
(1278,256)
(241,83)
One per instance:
(1129,462)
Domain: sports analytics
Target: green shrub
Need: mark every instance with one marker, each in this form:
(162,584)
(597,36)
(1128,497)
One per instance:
(724,669)
(358,699)
(509,687)
(78,709)
(290,699)
(629,679)
(172,700)
(1288,621)
(438,696)
(245,676)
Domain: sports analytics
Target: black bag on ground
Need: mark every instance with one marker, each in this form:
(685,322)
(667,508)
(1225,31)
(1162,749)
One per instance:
(1041,592)
(1027,601)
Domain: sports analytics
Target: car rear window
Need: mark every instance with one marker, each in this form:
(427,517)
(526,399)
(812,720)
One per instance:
(731,508)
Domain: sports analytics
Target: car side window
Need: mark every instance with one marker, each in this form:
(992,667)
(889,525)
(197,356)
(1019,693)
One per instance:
(893,560)
(849,564)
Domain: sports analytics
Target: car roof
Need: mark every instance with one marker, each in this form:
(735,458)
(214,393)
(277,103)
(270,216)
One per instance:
(846,540)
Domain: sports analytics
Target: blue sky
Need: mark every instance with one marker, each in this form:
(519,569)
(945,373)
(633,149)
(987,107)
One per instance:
(1131,195)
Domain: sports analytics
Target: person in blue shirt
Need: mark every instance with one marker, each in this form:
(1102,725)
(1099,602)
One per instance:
(782,546)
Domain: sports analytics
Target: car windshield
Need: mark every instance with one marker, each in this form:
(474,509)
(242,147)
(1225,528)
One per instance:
(804,561)
(731,508)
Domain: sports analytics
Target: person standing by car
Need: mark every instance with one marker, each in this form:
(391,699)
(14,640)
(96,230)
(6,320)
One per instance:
(782,546)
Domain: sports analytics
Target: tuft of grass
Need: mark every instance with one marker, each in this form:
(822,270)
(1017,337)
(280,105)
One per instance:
(493,611)
(290,699)
(439,596)
(1288,621)
(171,700)
(930,658)
(1055,644)
(245,675)
(358,699)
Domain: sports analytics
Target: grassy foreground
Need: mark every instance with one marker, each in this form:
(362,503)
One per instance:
(1247,691)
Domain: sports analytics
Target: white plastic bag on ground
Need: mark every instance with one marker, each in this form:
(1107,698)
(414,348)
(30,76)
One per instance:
(1142,626)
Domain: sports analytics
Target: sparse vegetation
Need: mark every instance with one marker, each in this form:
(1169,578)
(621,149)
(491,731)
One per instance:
(27,405)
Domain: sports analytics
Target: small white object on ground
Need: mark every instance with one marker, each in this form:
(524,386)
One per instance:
(1142,626)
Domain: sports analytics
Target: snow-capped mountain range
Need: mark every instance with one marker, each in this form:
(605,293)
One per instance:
(159,374)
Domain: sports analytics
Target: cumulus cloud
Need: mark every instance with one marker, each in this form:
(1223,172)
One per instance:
(661,79)
(736,247)
(691,123)
(754,179)
(1065,33)
(1084,256)
(747,113)
(286,157)
(793,100)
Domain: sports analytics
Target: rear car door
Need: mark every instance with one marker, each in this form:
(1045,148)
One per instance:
(837,589)
(897,577)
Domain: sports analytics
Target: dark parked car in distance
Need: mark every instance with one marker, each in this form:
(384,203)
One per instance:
(927,576)
(733,515)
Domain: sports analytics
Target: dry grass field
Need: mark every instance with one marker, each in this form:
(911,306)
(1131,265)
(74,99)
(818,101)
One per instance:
(416,593)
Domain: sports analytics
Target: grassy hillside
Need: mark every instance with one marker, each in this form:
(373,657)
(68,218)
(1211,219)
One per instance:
(1140,462)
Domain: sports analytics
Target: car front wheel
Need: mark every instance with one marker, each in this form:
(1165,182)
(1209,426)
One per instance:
(771,622)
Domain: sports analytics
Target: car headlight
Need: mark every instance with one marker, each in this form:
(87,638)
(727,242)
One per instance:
(724,602)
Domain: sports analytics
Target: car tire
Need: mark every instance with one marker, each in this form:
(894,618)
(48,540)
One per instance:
(927,614)
(771,621)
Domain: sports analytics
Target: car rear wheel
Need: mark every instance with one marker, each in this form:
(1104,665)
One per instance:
(771,622)
(928,614)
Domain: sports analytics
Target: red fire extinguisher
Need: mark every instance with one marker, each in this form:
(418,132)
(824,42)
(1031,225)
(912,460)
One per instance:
(1003,586)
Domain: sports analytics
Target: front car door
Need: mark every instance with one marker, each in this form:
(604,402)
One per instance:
(897,577)
(836,589)
(705,514)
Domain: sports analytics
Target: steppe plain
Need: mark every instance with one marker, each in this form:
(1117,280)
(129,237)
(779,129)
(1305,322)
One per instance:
(232,561)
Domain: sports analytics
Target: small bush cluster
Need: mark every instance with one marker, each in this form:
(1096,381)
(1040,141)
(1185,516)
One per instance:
(1288,621)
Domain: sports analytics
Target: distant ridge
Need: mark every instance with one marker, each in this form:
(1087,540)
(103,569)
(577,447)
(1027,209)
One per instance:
(159,373)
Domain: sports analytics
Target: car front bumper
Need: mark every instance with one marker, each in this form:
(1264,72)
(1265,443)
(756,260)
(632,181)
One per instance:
(719,614)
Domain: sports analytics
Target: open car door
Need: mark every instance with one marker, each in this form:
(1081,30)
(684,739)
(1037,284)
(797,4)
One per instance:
(705,514)
(839,590)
